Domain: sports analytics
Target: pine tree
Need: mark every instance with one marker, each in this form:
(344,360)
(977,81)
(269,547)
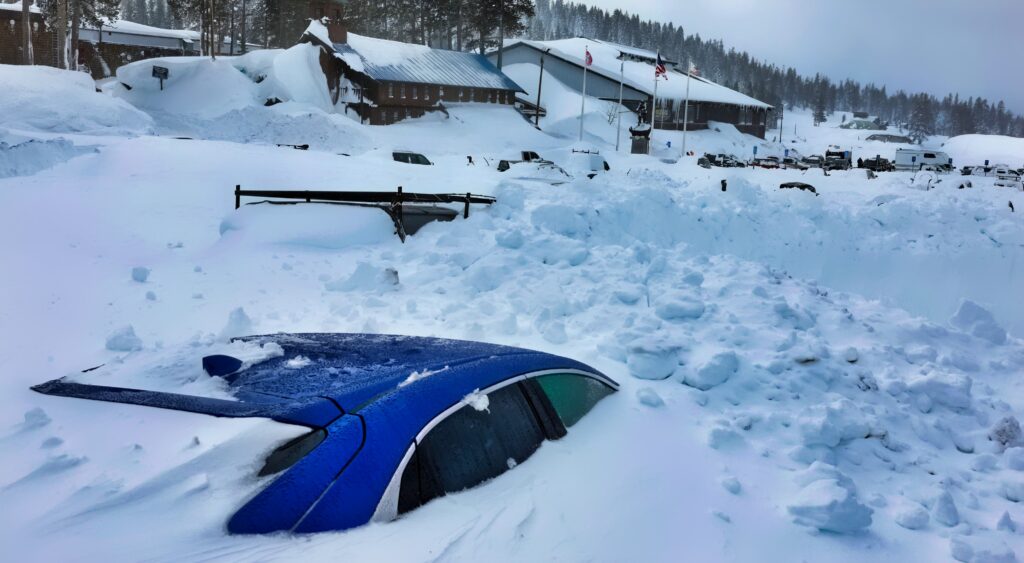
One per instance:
(922,119)
(819,110)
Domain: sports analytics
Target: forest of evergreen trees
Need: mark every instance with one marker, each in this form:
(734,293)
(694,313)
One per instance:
(477,25)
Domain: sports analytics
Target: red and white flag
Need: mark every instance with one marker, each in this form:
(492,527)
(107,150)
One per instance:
(659,69)
(588,59)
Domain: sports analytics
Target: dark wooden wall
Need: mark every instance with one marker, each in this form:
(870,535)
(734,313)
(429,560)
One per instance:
(44,41)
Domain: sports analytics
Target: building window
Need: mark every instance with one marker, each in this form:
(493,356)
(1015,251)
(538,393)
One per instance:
(391,90)
(414,94)
(440,92)
(426,93)
(471,95)
(401,91)
(461,92)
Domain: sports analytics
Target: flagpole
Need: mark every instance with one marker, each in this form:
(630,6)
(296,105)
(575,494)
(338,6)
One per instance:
(686,104)
(654,107)
(618,122)
(583,100)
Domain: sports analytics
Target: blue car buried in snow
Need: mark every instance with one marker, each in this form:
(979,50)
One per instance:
(395,421)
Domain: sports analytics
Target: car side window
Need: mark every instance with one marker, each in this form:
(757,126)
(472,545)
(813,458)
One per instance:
(571,395)
(471,446)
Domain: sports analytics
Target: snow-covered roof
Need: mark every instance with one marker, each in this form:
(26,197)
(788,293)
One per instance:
(381,59)
(16,7)
(640,75)
(125,26)
(635,52)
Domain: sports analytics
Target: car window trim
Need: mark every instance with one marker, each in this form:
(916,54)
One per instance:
(387,507)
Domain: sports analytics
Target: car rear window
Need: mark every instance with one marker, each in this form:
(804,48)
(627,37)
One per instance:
(289,454)
(572,396)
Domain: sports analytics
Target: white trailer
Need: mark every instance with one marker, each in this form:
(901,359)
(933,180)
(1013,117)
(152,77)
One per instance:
(922,159)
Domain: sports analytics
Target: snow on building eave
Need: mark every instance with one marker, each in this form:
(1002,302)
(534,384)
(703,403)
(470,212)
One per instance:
(733,97)
(16,7)
(384,60)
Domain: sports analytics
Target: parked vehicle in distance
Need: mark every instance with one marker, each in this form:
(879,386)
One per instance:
(838,160)
(768,162)
(393,421)
(410,157)
(721,160)
(1007,178)
(814,161)
(878,164)
(923,159)
(790,162)
(523,156)
(589,162)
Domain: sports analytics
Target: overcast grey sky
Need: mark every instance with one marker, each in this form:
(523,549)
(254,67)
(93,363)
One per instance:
(974,47)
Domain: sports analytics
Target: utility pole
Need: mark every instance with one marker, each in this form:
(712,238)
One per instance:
(782,117)
(540,82)
(686,104)
(26,33)
(233,10)
(618,121)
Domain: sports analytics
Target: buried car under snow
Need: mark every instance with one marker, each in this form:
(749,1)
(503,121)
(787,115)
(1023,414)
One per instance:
(394,421)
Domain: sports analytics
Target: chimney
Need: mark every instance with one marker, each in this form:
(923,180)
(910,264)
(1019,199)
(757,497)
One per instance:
(332,10)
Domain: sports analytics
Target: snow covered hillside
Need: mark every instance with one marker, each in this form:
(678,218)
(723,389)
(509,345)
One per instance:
(821,378)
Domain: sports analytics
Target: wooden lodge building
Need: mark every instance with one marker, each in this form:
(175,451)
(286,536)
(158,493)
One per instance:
(384,81)
(612,63)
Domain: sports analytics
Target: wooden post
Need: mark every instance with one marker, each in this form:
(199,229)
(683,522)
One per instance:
(465,214)
(238,196)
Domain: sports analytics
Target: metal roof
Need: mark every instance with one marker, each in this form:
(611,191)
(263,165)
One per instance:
(385,60)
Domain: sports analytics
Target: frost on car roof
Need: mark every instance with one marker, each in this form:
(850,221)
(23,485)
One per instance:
(351,369)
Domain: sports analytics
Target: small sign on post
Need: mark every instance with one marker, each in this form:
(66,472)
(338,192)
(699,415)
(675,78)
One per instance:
(162,73)
(755,150)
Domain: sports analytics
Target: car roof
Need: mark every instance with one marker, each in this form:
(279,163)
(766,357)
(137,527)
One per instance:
(353,369)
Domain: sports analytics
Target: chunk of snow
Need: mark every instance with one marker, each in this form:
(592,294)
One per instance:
(124,340)
(34,418)
(367,277)
(714,372)
(651,358)
(649,397)
(298,362)
(828,425)
(851,355)
(978,321)
(912,516)
(949,389)
(418,375)
(1014,456)
(1006,523)
(944,510)
(1013,490)
(479,401)
(731,484)
(680,309)
(829,506)
(1007,433)
(239,324)
(140,274)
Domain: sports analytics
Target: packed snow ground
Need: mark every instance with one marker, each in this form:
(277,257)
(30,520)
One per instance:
(802,378)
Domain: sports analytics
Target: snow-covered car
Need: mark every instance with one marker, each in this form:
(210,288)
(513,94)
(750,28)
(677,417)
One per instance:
(1007,178)
(410,157)
(878,164)
(523,156)
(814,161)
(768,162)
(798,186)
(393,421)
(587,162)
(838,160)
(790,162)
(723,160)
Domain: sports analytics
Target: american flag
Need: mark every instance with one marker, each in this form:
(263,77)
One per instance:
(588,59)
(659,69)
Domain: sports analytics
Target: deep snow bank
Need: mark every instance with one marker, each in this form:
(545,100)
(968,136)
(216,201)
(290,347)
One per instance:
(40,98)
(976,149)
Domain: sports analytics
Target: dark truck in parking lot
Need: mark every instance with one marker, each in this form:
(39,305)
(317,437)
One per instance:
(838,160)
